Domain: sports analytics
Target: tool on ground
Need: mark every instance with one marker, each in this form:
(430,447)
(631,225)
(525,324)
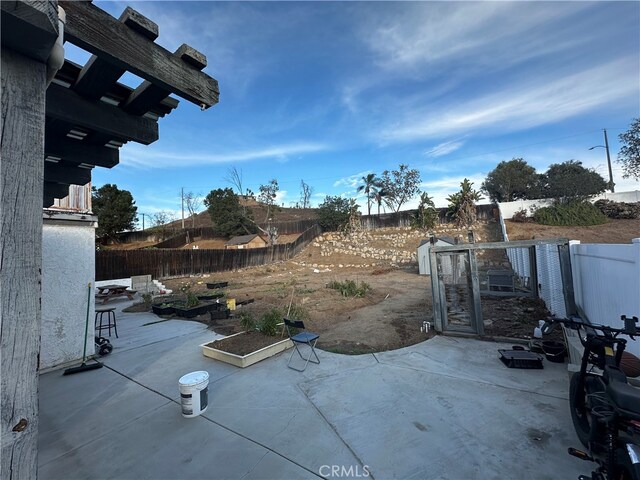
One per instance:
(84,367)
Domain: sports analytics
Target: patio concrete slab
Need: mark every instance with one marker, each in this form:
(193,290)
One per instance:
(77,409)
(404,423)
(160,365)
(164,445)
(445,408)
(451,356)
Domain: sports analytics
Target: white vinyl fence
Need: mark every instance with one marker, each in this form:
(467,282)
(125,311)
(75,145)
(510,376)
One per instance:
(548,268)
(606,280)
(549,274)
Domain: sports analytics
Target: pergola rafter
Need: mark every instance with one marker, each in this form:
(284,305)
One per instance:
(90,114)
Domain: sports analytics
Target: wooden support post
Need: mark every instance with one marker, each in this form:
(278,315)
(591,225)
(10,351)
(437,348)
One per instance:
(22,127)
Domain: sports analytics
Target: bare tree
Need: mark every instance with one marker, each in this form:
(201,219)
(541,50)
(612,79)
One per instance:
(234,178)
(161,221)
(306,191)
(193,202)
(268,195)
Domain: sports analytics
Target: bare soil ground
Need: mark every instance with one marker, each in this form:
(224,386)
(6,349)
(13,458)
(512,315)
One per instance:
(614,231)
(388,317)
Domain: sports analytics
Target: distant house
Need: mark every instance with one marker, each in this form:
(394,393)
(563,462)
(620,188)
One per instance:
(245,242)
(424,260)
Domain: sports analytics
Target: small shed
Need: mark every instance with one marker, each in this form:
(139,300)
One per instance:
(245,242)
(424,261)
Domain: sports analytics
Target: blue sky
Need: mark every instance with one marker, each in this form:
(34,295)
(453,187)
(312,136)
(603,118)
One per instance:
(330,91)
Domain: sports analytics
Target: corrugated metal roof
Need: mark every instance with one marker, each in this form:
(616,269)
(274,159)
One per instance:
(242,239)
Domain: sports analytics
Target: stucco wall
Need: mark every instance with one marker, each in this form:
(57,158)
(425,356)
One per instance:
(68,266)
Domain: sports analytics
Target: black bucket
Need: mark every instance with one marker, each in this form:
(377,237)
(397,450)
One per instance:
(554,351)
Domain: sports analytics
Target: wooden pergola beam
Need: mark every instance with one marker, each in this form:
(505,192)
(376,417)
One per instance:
(80,151)
(86,27)
(143,98)
(66,174)
(55,190)
(66,105)
(98,76)
(29,28)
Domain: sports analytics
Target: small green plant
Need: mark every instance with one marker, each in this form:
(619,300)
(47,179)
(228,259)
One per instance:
(268,324)
(147,299)
(349,288)
(247,322)
(192,299)
(298,312)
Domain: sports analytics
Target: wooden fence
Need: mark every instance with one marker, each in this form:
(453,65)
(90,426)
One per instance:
(405,218)
(160,263)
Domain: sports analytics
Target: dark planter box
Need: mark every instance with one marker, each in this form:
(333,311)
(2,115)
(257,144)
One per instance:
(160,310)
(213,286)
(215,306)
(220,314)
(191,312)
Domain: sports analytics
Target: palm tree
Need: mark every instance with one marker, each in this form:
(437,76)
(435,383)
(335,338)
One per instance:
(372,185)
(462,204)
(379,196)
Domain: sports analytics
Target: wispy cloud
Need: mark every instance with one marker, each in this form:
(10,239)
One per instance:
(433,33)
(147,157)
(444,148)
(351,181)
(523,106)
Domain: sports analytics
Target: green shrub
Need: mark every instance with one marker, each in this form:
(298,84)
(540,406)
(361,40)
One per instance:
(247,322)
(350,288)
(298,312)
(578,213)
(268,324)
(147,299)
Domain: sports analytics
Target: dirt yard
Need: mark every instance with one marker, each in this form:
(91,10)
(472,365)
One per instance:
(388,317)
(614,231)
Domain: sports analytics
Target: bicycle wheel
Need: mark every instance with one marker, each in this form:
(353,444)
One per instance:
(579,412)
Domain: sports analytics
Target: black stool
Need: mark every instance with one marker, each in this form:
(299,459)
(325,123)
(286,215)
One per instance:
(111,320)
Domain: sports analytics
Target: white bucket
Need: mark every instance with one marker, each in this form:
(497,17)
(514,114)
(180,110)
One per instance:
(194,393)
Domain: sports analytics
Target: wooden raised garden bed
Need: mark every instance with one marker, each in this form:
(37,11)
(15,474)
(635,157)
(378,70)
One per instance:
(245,348)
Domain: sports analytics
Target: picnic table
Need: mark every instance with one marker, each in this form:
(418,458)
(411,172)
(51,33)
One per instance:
(107,292)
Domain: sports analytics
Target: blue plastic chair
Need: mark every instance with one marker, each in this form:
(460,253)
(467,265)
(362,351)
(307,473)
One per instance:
(302,338)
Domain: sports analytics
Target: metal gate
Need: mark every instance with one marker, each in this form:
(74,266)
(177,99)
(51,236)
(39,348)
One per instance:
(456,286)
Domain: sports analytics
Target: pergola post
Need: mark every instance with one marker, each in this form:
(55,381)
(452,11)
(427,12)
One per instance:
(22,170)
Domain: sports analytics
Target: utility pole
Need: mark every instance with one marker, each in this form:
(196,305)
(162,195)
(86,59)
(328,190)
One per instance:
(143,214)
(182,198)
(606,146)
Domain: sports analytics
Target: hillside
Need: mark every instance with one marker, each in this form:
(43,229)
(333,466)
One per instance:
(614,231)
(203,219)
